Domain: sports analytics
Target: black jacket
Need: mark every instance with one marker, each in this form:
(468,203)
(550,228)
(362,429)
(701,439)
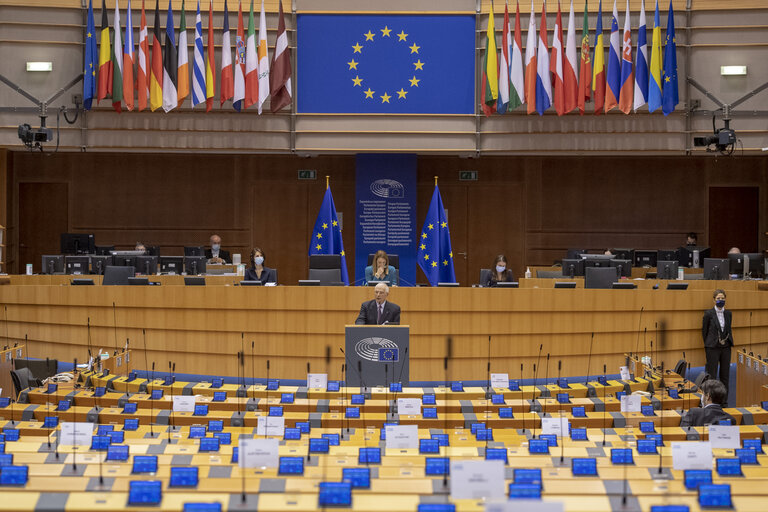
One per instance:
(369,313)
(700,416)
(711,331)
(268,275)
(222,254)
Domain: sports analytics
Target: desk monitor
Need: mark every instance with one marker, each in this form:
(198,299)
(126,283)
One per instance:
(77,243)
(82,282)
(508,284)
(117,275)
(251,283)
(716,269)
(146,265)
(99,263)
(565,284)
(194,265)
(746,264)
(171,264)
(52,264)
(77,265)
(194,281)
(573,267)
(666,269)
(194,251)
(597,260)
(623,286)
(103,250)
(574,254)
(677,286)
(686,255)
(153,250)
(123,260)
(645,258)
(624,254)
(138,281)
(624,266)
(600,277)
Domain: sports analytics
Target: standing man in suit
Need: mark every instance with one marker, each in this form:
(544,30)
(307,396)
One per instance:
(216,254)
(718,339)
(379,311)
(713,395)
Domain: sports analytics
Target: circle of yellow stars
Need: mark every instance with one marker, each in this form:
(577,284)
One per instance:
(402,37)
(423,246)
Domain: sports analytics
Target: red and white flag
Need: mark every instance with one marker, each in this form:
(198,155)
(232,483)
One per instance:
(227,80)
(251,64)
(280,72)
(556,65)
(143,75)
(570,66)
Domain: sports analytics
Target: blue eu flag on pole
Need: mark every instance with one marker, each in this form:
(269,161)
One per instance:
(91,60)
(434,255)
(326,237)
(669,87)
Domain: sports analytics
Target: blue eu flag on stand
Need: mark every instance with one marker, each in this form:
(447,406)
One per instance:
(435,256)
(326,237)
(669,87)
(91,60)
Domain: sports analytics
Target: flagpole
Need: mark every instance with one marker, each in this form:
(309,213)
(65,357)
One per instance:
(327,182)
(435,180)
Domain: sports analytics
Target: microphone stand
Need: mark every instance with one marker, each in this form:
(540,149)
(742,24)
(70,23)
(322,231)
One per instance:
(605,408)
(521,394)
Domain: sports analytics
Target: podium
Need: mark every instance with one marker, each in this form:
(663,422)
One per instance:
(376,354)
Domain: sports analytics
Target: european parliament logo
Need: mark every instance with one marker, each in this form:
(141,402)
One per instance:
(377,350)
(386,64)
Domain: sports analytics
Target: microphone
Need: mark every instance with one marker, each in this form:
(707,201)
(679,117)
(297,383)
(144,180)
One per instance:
(266,406)
(151,402)
(533,402)
(309,409)
(521,394)
(358,369)
(750,332)
(170,370)
(661,430)
(253,371)
(639,323)
(604,405)
(488,391)
(562,435)
(546,393)
(114,324)
(590,391)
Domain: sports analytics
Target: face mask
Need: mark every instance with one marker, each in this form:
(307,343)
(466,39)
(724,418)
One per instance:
(720,303)
(258,260)
(216,247)
(500,269)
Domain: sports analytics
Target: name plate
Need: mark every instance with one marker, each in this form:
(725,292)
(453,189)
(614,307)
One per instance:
(499,380)
(270,426)
(554,426)
(631,403)
(317,380)
(258,453)
(476,479)
(183,403)
(402,436)
(409,406)
(76,433)
(691,455)
(624,373)
(724,436)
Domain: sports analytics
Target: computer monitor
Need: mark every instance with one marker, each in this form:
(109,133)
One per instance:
(573,254)
(666,255)
(666,269)
(645,258)
(103,250)
(153,250)
(194,265)
(52,264)
(573,267)
(77,264)
(194,251)
(99,263)
(687,255)
(624,254)
(716,269)
(600,277)
(597,260)
(120,260)
(77,243)
(750,264)
(146,264)
(117,275)
(171,264)
(624,267)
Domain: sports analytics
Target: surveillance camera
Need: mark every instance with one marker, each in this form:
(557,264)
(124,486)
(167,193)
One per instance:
(34,137)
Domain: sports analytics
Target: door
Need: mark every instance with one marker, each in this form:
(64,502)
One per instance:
(43,217)
(733,219)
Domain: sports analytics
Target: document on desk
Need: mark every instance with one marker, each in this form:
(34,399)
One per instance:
(76,433)
(724,436)
(409,406)
(624,373)
(477,479)
(499,380)
(527,505)
(631,403)
(402,437)
(183,403)
(691,455)
(270,426)
(555,426)
(317,380)
(258,453)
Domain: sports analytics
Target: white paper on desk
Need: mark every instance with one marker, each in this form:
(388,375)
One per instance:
(409,406)
(556,426)
(724,436)
(691,455)
(402,436)
(183,403)
(76,433)
(624,373)
(476,479)
(258,453)
(631,403)
(317,380)
(270,426)
(499,380)
(527,505)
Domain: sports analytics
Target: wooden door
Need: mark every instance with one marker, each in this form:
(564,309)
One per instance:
(43,216)
(733,219)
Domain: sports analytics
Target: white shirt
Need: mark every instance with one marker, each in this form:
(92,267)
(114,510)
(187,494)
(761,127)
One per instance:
(720,316)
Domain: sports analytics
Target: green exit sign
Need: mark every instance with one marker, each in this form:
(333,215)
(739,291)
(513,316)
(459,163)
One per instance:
(467,175)
(307,174)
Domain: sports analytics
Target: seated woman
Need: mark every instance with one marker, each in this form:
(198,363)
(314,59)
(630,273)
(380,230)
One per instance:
(257,271)
(383,270)
(500,272)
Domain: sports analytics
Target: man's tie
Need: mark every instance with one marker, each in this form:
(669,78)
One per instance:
(378,317)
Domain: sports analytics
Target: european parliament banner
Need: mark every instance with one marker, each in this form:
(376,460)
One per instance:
(385,64)
(386,211)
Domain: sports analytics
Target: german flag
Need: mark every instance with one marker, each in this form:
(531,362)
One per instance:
(156,73)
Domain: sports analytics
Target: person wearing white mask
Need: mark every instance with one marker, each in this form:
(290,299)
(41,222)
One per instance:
(257,271)
(500,272)
(216,254)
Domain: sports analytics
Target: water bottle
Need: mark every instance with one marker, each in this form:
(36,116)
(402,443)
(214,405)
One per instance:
(528,272)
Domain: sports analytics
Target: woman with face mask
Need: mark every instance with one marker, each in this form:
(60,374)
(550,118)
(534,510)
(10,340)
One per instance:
(257,271)
(718,338)
(500,272)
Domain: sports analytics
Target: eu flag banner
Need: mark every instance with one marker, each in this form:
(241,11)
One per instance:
(326,237)
(391,64)
(435,256)
(91,60)
(389,355)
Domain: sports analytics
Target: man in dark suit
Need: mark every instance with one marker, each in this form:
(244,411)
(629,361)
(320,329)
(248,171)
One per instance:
(216,254)
(379,311)
(713,395)
(718,339)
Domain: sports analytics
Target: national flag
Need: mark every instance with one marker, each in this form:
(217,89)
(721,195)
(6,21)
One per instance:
(227,85)
(263,68)
(105,57)
(326,236)
(641,62)
(198,65)
(598,69)
(170,98)
(251,64)
(570,67)
(434,254)
(530,63)
(613,66)
(654,82)
(280,71)
(556,65)
(506,48)
(239,94)
(585,64)
(128,60)
(210,63)
(543,80)
(627,73)
(156,76)
(517,91)
(91,60)
(117,62)
(143,67)
(183,64)
(670,91)
(489,86)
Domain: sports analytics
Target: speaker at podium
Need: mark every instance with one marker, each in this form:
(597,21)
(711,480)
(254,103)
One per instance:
(382,352)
